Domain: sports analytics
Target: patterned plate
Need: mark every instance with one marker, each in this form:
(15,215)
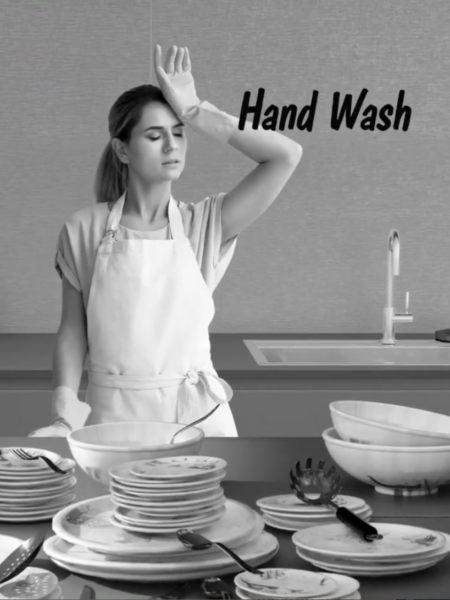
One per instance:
(295,525)
(177,468)
(259,551)
(23,485)
(339,540)
(145,527)
(88,523)
(132,482)
(133,516)
(162,496)
(289,503)
(168,507)
(286,583)
(38,494)
(9,463)
(29,511)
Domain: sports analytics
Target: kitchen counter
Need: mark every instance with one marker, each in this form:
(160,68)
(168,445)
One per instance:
(29,357)
(256,468)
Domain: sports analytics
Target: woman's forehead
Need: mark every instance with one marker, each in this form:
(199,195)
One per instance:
(158,114)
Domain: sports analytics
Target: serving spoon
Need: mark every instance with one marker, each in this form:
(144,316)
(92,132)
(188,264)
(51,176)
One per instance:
(194,423)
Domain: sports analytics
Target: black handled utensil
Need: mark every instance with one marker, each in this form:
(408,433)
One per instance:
(329,485)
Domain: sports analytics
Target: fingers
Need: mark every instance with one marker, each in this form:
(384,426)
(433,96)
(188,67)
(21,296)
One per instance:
(170,60)
(157,57)
(187,60)
(179,60)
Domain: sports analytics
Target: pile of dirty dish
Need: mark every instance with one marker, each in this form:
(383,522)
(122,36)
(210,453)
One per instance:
(289,513)
(30,490)
(295,584)
(403,549)
(33,583)
(397,449)
(130,534)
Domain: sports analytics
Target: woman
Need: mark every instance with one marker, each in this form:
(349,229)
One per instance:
(139,268)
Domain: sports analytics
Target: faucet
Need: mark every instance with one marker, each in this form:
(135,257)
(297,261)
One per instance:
(390,317)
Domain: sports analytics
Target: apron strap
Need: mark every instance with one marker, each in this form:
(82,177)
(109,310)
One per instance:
(175,220)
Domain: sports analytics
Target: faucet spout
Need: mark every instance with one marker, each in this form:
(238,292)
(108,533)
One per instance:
(393,265)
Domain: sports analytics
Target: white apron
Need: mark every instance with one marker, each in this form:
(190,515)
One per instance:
(148,315)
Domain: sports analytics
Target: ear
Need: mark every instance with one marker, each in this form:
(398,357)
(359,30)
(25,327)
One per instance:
(119,149)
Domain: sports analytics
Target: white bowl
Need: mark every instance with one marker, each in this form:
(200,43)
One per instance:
(407,471)
(97,448)
(389,424)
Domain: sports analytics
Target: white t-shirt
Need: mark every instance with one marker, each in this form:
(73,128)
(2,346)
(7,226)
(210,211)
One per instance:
(81,234)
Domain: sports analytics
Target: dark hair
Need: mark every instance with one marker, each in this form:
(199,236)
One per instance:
(111,177)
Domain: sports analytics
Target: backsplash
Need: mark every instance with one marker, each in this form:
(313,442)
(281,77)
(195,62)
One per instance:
(316,261)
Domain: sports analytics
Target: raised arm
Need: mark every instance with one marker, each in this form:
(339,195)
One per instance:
(276,154)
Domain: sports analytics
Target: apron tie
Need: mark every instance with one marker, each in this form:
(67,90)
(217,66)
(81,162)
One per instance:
(195,388)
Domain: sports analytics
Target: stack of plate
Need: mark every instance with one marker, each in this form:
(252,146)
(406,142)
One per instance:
(403,549)
(294,584)
(88,542)
(163,495)
(30,490)
(291,514)
(32,583)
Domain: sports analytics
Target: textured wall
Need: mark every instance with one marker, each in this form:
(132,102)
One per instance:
(316,260)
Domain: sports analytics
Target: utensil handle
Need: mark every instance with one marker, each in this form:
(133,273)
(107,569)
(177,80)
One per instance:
(237,559)
(349,518)
(194,423)
(52,465)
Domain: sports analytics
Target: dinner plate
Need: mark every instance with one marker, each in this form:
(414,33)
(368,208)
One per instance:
(88,523)
(318,518)
(173,514)
(286,583)
(10,463)
(164,495)
(132,482)
(41,477)
(257,552)
(169,507)
(178,468)
(356,596)
(345,586)
(13,488)
(295,525)
(35,511)
(338,540)
(290,503)
(164,528)
(32,502)
(33,584)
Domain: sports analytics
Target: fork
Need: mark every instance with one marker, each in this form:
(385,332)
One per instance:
(20,453)
(329,485)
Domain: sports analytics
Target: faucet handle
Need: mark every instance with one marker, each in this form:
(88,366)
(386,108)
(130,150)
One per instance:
(407,303)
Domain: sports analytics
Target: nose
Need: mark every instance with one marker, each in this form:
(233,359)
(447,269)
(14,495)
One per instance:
(170,143)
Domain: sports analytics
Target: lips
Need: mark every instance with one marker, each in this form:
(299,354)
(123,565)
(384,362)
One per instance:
(171,162)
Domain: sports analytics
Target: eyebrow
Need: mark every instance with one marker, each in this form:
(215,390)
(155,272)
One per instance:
(159,128)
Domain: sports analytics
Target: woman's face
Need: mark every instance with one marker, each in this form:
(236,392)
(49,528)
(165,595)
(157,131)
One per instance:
(158,138)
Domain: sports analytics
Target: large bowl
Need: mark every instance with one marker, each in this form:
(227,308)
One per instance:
(97,448)
(408,471)
(389,424)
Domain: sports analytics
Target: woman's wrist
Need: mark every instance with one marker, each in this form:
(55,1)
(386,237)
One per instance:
(206,118)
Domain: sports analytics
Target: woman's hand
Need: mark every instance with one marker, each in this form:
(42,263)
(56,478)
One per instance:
(176,81)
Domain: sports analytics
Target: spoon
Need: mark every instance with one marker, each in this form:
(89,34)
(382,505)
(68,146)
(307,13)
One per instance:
(329,485)
(21,557)
(194,423)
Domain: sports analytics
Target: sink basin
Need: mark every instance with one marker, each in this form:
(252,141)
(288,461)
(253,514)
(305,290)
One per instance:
(348,352)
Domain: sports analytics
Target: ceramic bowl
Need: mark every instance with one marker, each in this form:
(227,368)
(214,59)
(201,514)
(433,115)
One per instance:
(389,424)
(407,471)
(97,448)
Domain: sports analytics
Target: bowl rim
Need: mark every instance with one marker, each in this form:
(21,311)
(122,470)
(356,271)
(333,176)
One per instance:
(388,426)
(326,436)
(100,448)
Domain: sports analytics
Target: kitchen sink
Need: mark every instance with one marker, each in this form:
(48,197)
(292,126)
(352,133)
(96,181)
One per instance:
(348,352)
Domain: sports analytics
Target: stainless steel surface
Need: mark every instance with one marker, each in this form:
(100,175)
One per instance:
(348,352)
(328,485)
(21,557)
(390,317)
